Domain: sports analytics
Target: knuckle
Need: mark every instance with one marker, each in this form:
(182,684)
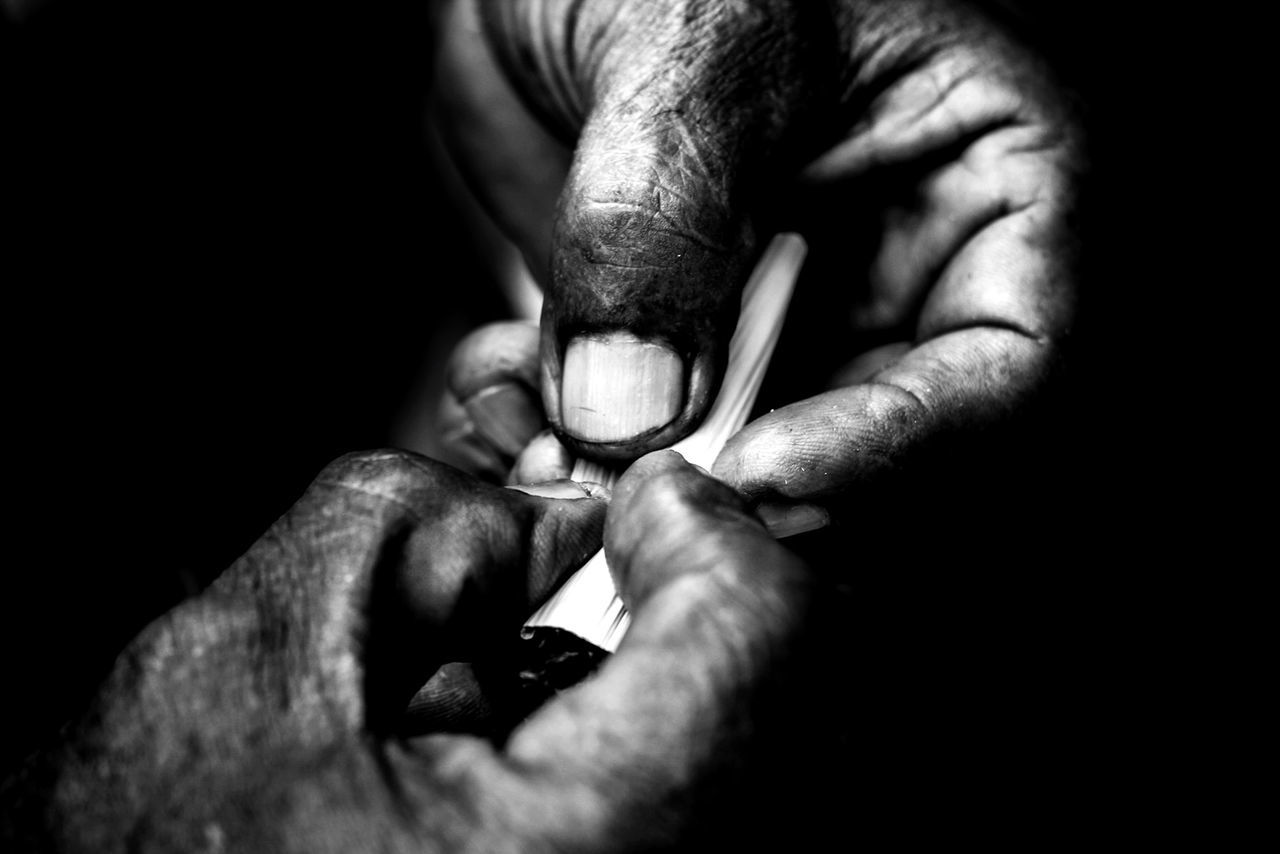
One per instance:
(647,227)
(389,472)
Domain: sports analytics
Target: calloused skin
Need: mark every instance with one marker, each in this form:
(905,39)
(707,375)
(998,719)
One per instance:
(267,713)
(639,153)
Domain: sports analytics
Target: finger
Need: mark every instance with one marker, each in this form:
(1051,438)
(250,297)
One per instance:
(669,519)
(459,565)
(653,240)
(453,700)
(713,662)
(544,458)
(564,535)
(493,373)
(456,562)
(827,450)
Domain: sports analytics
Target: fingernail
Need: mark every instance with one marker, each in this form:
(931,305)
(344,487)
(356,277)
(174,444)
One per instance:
(617,386)
(553,489)
(785,520)
(506,415)
(597,490)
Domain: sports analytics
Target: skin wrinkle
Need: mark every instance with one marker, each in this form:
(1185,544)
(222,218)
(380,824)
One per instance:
(668,153)
(884,41)
(935,380)
(555,39)
(944,82)
(596,55)
(157,661)
(679,92)
(715,85)
(873,144)
(534,58)
(687,47)
(965,162)
(905,269)
(324,654)
(1048,325)
(671,228)
(786,458)
(690,151)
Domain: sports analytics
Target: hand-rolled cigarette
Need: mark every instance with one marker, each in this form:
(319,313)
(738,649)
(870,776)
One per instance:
(587,603)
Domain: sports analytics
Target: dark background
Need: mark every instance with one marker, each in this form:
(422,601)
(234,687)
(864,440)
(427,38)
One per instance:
(226,262)
(227,259)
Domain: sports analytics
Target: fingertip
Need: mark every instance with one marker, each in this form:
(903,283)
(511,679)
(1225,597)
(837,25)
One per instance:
(654,463)
(568,529)
(507,414)
(671,463)
(494,353)
(543,458)
(743,458)
(799,451)
(659,476)
(668,518)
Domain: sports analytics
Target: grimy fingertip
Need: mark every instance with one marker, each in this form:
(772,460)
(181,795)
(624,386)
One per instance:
(668,519)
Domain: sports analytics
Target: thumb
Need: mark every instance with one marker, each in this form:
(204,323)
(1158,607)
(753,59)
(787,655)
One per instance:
(654,234)
(669,520)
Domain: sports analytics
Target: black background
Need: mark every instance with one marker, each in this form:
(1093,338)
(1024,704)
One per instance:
(226,260)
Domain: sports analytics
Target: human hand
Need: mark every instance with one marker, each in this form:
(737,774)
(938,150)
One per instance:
(262,715)
(638,153)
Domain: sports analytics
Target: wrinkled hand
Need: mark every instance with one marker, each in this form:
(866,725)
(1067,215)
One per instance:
(639,153)
(262,715)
